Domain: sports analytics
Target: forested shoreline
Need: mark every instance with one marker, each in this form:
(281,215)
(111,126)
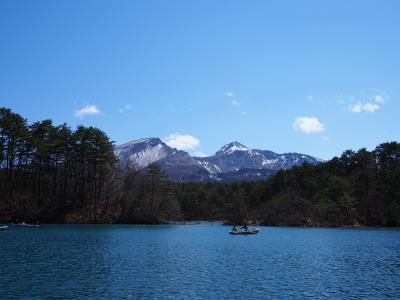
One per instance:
(54,174)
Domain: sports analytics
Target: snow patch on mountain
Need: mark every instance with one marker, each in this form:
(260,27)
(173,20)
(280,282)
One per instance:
(233,161)
(233,147)
(211,168)
(148,156)
(142,152)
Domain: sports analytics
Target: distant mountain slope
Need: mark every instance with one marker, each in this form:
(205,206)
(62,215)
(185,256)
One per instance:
(233,162)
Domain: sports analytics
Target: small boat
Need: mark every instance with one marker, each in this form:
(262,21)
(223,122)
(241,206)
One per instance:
(2,228)
(252,231)
(23,224)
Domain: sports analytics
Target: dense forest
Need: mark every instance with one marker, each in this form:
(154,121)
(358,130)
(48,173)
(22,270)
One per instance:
(54,174)
(356,189)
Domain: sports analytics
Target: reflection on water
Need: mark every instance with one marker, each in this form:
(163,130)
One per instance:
(198,262)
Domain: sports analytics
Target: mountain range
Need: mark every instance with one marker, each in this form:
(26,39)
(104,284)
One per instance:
(233,162)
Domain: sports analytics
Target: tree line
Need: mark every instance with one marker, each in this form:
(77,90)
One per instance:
(359,188)
(52,173)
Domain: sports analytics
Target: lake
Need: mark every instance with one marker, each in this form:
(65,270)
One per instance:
(197,262)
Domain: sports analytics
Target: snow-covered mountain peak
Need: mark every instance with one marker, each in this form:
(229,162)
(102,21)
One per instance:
(151,141)
(143,152)
(232,147)
(145,141)
(233,161)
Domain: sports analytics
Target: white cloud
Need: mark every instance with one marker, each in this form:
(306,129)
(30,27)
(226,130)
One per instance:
(199,154)
(356,107)
(125,108)
(310,98)
(308,125)
(371,107)
(181,142)
(87,110)
(235,102)
(367,107)
(232,95)
(379,98)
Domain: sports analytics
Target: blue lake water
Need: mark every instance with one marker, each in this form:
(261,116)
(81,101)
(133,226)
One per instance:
(197,262)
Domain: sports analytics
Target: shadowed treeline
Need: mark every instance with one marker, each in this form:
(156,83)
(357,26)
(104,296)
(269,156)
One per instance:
(357,188)
(52,173)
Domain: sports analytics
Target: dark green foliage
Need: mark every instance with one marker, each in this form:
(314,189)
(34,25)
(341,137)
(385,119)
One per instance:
(48,172)
(357,188)
(52,173)
(146,196)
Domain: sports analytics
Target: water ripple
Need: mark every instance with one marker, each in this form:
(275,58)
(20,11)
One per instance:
(198,262)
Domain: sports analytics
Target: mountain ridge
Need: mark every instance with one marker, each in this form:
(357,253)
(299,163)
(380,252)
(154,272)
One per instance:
(232,162)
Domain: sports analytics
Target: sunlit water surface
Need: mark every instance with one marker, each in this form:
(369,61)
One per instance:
(197,262)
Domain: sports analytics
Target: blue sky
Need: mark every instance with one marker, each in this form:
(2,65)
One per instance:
(316,77)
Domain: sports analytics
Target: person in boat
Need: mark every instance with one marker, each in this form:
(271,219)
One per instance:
(244,227)
(234,229)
